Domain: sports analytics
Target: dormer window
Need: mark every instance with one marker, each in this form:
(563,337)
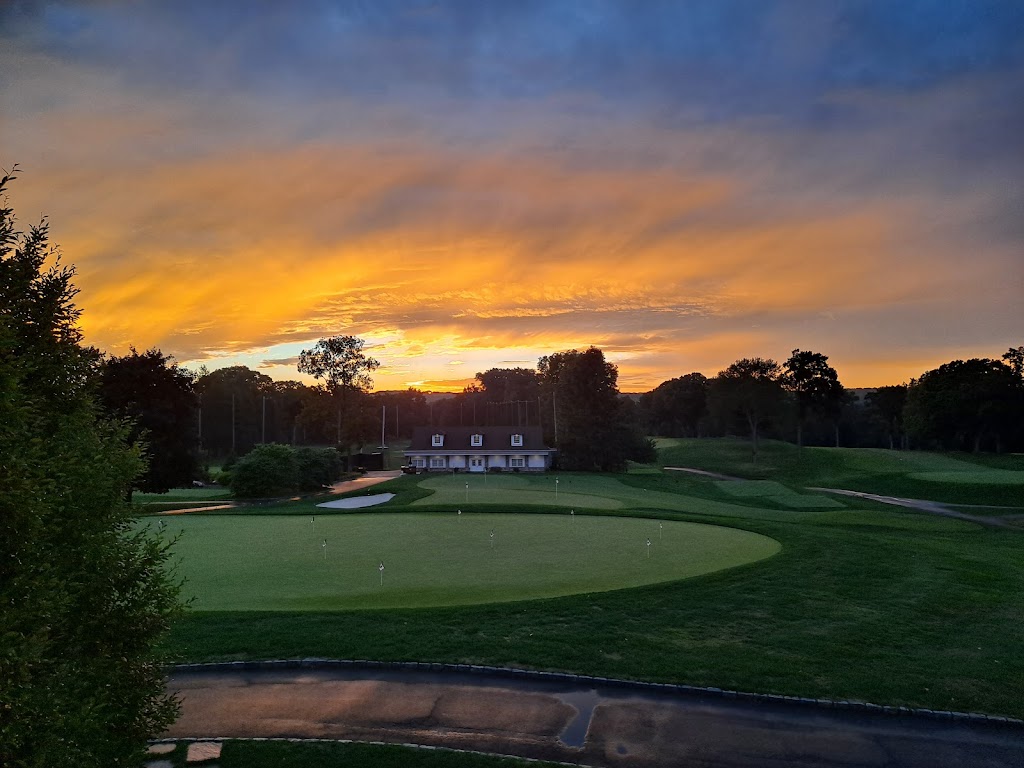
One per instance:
(517,441)
(476,441)
(437,441)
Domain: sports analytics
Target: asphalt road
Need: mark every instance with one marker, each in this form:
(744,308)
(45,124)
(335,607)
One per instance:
(586,725)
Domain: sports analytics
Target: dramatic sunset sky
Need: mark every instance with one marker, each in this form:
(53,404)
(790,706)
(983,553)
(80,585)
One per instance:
(475,184)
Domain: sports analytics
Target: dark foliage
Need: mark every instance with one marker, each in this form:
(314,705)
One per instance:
(748,392)
(156,397)
(593,430)
(84,595)
(966,405)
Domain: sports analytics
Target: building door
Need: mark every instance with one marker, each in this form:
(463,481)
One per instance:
(476,464)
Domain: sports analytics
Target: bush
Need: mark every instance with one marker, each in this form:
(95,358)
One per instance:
(317,467)
(267,470)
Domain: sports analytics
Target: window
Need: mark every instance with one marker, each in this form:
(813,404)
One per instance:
(517,461)
(517,441)
(436,462)
(420,462)
(476,441)
(476,462)
(437,441)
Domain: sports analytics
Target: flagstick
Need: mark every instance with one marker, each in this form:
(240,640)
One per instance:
(381,568)
(648,548)
(660,528)
(325,549)
(492,538)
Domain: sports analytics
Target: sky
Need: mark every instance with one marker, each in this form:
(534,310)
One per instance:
(474,184)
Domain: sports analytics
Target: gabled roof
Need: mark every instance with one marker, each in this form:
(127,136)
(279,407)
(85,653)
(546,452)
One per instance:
(495,439)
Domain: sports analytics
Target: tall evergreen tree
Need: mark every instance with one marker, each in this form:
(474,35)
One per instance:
(84,594)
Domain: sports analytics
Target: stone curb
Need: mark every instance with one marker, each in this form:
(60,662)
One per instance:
(294,740)
(566,677)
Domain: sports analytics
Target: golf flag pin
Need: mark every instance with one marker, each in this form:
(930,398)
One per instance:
(648,547)
(381,569)
(324,545)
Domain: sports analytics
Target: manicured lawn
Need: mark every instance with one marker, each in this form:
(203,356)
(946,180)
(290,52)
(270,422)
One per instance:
(280,563)
(865,602)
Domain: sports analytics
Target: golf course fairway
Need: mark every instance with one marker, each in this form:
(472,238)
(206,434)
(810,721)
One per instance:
(281,563)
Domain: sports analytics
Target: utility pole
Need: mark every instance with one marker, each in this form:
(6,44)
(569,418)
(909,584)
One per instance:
(383,447)
(554,409)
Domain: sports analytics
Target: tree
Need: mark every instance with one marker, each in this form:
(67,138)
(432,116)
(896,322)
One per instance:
(266,471)
(750,390)
(345,369)
(1014,358)
(340,362)
(592,430)
(815,387)
(232,408)
(966,405)
(157,398)
(886,404)
(85,593)
(677,407)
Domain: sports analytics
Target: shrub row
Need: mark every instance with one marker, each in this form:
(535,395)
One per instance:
(274,470)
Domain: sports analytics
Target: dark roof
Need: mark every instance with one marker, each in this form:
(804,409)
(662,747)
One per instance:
(495,438)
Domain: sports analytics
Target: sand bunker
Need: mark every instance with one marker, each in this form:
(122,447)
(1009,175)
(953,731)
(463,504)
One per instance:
(358,501)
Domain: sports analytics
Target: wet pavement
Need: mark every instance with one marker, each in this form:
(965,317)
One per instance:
(585,724)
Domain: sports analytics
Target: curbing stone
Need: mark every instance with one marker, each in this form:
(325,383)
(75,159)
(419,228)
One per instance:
(201,751)
(161,749)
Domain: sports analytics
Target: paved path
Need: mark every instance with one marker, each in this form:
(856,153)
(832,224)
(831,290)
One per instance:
(607,727)
(922,505)
(703,473)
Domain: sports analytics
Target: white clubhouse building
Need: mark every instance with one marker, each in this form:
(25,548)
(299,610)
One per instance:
(478,449)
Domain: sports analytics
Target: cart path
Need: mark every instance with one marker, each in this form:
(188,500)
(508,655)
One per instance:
(922,505)
(553,720)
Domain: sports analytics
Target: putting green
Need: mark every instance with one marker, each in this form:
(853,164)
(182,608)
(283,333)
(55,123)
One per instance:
(280,563)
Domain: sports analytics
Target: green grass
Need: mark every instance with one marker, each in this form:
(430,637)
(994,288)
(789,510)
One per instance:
(182,494)
(866,602)
(951,478)
(280,563)
(238,753)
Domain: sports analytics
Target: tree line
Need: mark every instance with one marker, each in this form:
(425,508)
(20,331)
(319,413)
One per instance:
(963,405)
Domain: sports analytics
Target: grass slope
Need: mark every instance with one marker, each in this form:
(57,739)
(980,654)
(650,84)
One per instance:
(950,478)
